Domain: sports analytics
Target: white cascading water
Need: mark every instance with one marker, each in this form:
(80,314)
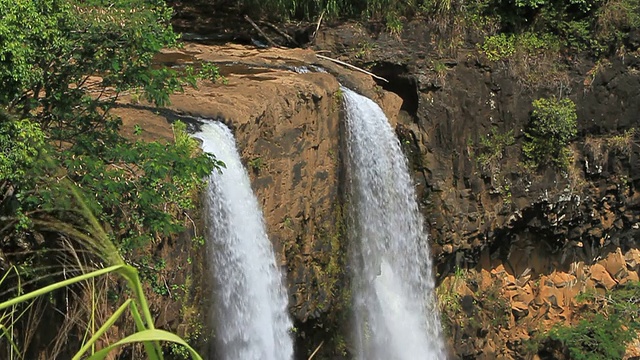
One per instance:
(393,288)
(252,322)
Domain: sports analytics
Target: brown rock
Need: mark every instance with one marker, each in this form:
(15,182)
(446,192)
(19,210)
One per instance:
(519,310)
(601,276)
(552,296)
(632,276)
(525,294)
(615,265)
(632,258)
(561,279)
(485,279)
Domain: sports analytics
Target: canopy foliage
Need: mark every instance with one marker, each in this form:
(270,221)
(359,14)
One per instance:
(63,66)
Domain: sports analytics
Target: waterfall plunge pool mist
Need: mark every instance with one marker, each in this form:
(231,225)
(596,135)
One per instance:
(396,315)
(250,302)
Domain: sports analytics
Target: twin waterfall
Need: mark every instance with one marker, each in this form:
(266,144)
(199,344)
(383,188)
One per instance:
(252,321)
(393,290)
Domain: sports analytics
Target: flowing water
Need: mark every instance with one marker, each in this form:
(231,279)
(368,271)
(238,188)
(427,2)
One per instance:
(252,321)
(393,288)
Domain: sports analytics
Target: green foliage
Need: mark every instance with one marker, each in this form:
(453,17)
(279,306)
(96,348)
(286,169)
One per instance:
(198,241)
(505,46)
(553,124)
(582,25)
(63,65)
(394,24)
(499,47)
(143,187)
(623,302)
(594,339)
(90,237)
(210,71)
(600,27)
(603,335)
(206,71)
(256,163)
(21,142)
(492,147)
(307,9)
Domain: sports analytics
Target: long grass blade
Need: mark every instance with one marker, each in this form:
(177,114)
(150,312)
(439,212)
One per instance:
(151,335)
(153,349)
(8,334)
(57,286)
(112,319)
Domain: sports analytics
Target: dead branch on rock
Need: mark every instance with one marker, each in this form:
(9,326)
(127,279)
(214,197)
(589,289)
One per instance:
(352,67)
(318,26)
(317,349)
(282,33)
(246,17)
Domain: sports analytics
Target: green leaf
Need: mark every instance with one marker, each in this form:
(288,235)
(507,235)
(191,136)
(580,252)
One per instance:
(146,336)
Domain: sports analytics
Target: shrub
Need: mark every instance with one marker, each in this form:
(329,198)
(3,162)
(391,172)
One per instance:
(492,147)
(528,44)
(594,339)
(603,335)
(499,47)
(553,124)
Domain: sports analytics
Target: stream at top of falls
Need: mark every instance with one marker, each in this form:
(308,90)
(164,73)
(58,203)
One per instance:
(250,301)
(396,315)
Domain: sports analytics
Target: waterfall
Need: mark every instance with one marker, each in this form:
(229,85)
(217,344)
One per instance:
(252,322)
(396,316)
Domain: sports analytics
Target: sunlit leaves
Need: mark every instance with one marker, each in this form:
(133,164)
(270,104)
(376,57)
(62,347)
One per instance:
(63,65)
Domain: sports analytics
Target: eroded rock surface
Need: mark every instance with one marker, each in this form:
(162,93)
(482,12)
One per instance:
(528,241)
(536,238)
(287,125)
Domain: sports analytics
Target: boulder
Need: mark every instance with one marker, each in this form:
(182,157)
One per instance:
(602,277)
(616,265)
(519,310)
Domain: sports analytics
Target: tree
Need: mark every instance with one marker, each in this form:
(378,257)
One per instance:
(63,65)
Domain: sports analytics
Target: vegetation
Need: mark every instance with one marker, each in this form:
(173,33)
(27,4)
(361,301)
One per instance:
(87,234)
(605,334)
(491,149)
(553,124)
(63,66)
(600,28)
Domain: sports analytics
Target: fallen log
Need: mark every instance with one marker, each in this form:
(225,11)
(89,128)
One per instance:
(352,67)
(317,26)
(246,17)
(282,33)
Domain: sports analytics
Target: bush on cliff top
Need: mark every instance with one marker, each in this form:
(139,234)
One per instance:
(598,27)
(63,65)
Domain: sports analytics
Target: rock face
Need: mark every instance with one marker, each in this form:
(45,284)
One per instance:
(513,247)
(511,307)
(533,240)
(287,124)
(451,101)
(287,127)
